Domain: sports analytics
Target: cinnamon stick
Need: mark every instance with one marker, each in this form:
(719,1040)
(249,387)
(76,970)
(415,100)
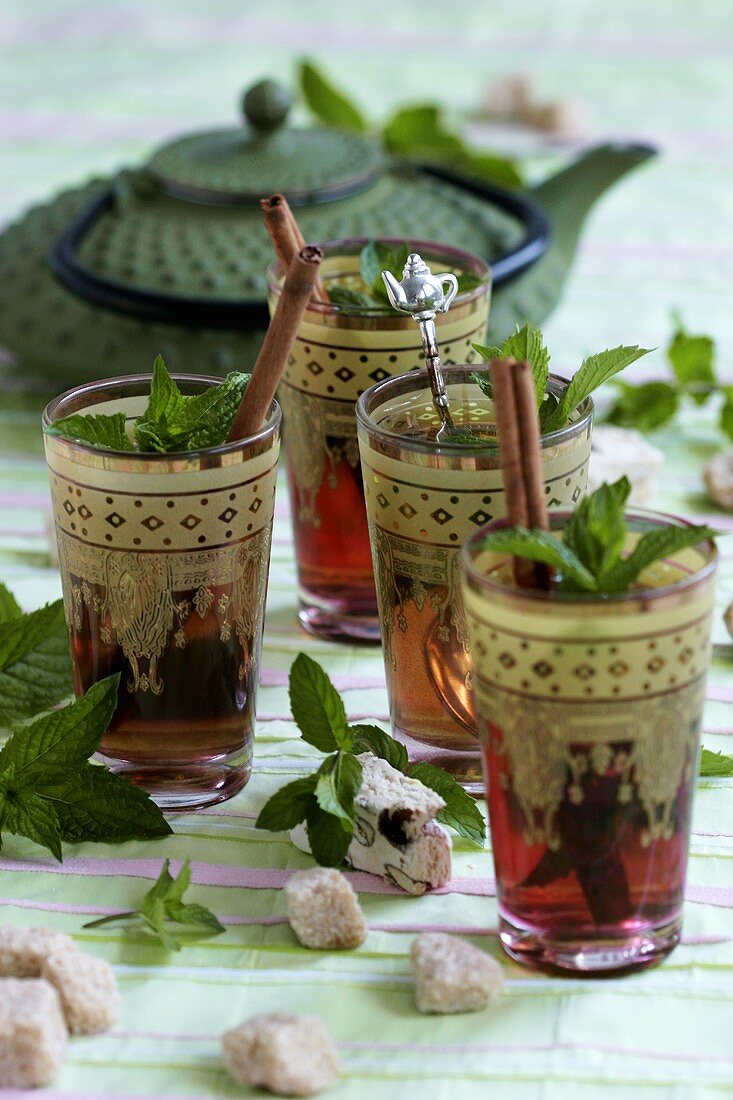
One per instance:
(267,371)
(521,459)
(285,234)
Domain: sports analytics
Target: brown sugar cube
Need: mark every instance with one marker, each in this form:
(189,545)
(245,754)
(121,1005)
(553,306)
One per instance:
(452,975)
(87,988)
(289,1055)
(32,1033)
(23,950)
(323,910)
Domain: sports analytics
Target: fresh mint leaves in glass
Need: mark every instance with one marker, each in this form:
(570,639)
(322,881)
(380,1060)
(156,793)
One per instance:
(164,560)
(343,348)
(589,706)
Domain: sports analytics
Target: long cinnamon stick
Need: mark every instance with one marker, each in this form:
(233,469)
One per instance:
(267,371)
(521,459)
(286,236)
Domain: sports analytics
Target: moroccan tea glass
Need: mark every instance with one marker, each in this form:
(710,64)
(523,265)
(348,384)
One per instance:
(339,352)
(423,501)
(589,717)
(164,561)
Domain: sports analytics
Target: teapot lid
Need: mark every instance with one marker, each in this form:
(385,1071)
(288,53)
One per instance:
(242,165)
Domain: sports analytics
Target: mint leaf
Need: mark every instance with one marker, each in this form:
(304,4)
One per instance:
(339,780)
(35,669)
(596,531)
(26,814)
(651,547)
(98,430)
(94,804)
(174,421)
(467,282)
(329,841)
(645,407)
(61,741)
(691,359)
(543,547)
(317,707)
(328,103)
(461,812)
(715,764)
(378,256)
(352,299)
(368,738)
(288,806)
(9,606)
(419,130)
(162,904)
(591,374)
(726,412)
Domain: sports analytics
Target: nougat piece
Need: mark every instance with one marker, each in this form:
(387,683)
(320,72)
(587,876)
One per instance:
(24,950)
(87,988)
(624,452)
(396,836)
(289,1055)
(718,477)
(33,1033)
(323,910)
(452,975)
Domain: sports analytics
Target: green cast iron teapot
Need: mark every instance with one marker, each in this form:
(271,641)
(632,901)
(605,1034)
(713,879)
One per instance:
(170,258)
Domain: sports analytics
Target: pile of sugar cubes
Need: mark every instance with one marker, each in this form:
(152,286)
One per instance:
(48,989)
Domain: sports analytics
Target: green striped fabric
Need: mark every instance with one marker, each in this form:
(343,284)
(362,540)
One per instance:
(86,87)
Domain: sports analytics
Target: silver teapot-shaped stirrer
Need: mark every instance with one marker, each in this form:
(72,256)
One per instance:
(422,295)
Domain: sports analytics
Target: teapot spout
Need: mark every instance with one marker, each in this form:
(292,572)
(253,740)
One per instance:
(566,199)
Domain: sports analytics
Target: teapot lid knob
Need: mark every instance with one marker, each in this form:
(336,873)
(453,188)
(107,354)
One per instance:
(266,105)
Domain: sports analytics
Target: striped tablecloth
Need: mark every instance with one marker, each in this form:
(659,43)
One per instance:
(87,86)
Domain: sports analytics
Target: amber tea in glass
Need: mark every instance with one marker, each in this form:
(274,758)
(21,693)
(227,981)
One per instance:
(589,717)
(164,561)
(423,501)
(340,352)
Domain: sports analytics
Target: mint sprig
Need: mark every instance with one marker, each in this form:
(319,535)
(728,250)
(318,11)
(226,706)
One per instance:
(527,343)
(715,764)
(652,405)
(325,800)
(49,791)
(163,906)
(589,556)
(35,670)
(173,421)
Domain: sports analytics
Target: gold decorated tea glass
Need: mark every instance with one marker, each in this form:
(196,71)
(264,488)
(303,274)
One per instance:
(589,716)
(340,352)
(423,501)
(164,561)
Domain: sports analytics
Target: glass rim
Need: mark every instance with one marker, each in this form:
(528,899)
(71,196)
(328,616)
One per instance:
(540,597)
(120,381)
(468,261)
(420,376)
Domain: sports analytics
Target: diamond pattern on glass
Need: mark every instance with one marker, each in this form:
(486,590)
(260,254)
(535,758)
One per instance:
(152,523)
(69,508)
(114,519)
(584,672)
(543,669)
(382,500)
(255,505)
(656,664)
(480,517)
(618,668)
(441,516)
(407,511)
(378,374)
(344,374)
(84,512)
(227,515)
(189,522)
(314,368)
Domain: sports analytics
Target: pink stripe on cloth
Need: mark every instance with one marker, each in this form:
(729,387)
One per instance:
(717,693)
(218,874)
(24,499)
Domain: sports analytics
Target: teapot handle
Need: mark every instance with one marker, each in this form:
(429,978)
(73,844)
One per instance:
(449,278)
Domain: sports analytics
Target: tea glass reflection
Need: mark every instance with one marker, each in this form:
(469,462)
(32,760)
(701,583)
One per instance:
(339,352)
(589,717)
(423,500)
(164,561)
